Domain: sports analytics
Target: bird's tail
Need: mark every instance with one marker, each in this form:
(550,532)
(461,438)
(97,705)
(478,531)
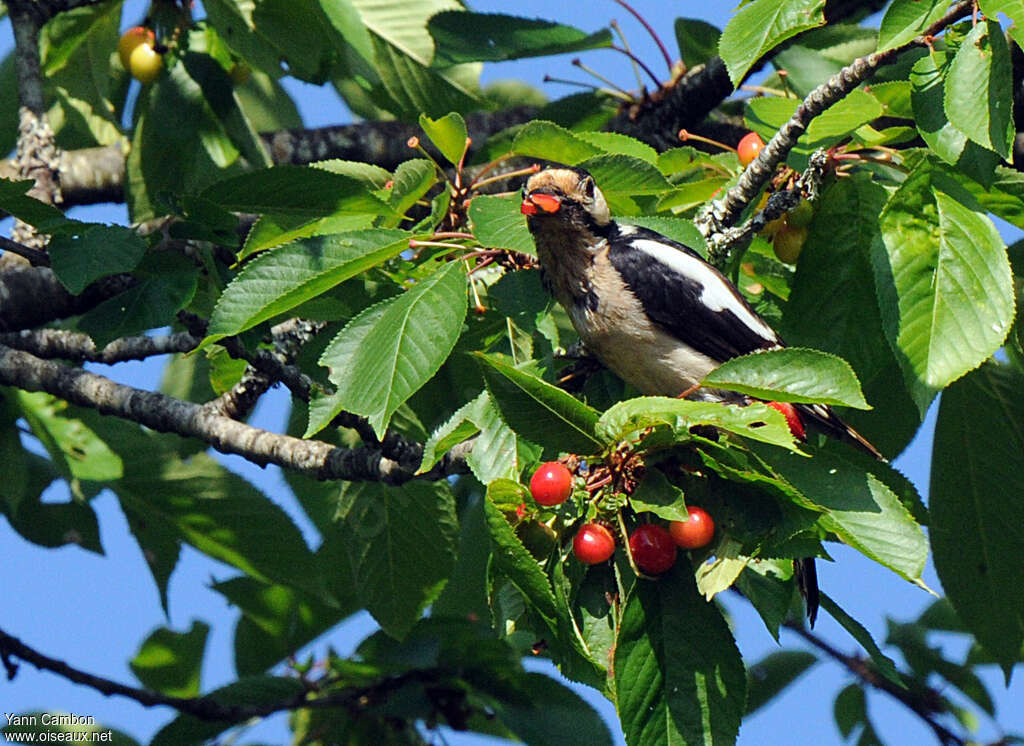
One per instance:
(824,419)
(806,575)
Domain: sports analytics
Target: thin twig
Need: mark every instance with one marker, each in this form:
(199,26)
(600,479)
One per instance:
(35,257)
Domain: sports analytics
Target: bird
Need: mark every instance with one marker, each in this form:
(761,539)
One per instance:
(650,308)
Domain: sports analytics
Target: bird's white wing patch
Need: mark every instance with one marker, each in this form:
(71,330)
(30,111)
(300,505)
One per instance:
(716,292)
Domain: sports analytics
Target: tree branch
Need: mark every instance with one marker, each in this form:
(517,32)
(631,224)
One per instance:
(722,214)
(169,415)
(79,348)
(925,704)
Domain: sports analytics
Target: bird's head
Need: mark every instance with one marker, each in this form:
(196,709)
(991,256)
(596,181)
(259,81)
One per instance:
(566,198)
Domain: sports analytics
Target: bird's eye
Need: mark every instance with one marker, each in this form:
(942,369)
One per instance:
(587,185)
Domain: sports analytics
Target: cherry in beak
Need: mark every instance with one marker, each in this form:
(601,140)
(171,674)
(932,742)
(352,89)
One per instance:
(538,202)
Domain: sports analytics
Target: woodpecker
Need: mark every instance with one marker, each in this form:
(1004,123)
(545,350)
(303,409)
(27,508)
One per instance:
(650,308)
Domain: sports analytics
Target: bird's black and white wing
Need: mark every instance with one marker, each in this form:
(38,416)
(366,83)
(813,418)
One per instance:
(688,297)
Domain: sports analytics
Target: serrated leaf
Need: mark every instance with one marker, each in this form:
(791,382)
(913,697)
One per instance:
(976,470)
(657,495)
(281,279)
(457,428)
(540,139)
(214,510)
(1013,9)
(414,88)
(833,307)
(979,89)
(295,190)
(15,201)
(76,450)
(539,411)
(859,507)
(169,662)
(494,37)
(553,714)
(404,24)
(906,19)
(624,174)
(495,452)
(760,26)
(927,78)
(385,354)
(846,115)
(614,143)
(498,223)
(791,374)
(769,586)
(678,229)
(629,417)
(769,676)
(448,133)
(95,252)
(513,560)
(679,678)
(399,564)
(412,180)
(947,265)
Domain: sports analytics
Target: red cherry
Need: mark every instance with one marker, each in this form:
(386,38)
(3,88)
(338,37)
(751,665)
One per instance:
(551,484)
(694,533)
(593,544)
(749,148)
(653,549)
(796,425)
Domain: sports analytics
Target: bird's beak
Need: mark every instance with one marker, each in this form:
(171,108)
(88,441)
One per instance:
(535,202)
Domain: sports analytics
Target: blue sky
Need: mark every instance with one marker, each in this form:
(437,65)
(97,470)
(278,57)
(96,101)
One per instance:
(94,611)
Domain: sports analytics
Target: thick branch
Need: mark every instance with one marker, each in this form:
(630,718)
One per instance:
(166,414)
(79,348)
(724,213)
(925,704)
(22,287)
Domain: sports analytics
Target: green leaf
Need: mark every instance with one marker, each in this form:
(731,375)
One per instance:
(295,190)
(628,418)
(539,139)
(401,544)
(859,507)
(214,510)
(906,19)
(850,112)
(412,180)
(385,354)
(885,665)
(977,464)
(928,77)
(280,280)
(448,134)
(625,174)
(494,37)
(678,229)
(697,39)
(791,374)
(769,676)
(552,715)
(539,411)
(496,451)
(169,662)
(415,89)
(769,586)
(404,24)
(167,282)
(46,218)
(833,307)
(850,709)
(498,223)
(513,560)
(760,26)
(979,89)
(95,252)
(1013,9)
(952,304)
(657,495)
(77,451)
(188,730)
(678,675)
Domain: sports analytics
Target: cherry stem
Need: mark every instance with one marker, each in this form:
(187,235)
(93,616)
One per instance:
(637,60)
(591,71)
(414,143)
(685,135)
(625,45)
(528,171)
(654,35)
(452,234)
(414,244)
